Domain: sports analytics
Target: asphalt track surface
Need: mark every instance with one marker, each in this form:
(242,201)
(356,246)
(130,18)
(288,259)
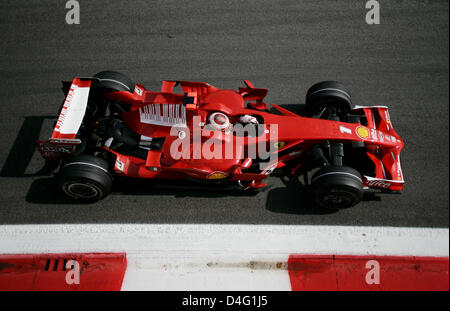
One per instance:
(285,46)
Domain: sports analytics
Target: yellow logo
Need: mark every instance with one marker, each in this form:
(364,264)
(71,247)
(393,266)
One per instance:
(362,132)
(217,175)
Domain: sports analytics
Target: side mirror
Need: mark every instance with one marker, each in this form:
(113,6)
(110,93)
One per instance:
(249,84)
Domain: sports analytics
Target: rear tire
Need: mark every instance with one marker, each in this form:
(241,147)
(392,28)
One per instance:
(109,81)
(326,94)
(114,81)
(85,178)
(335,187)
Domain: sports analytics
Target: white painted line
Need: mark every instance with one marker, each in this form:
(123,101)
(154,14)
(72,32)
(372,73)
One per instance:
(218,257)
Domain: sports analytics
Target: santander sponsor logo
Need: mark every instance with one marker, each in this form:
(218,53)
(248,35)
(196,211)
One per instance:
(379,184)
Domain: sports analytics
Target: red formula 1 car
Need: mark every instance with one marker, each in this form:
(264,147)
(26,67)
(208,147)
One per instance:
(110,126)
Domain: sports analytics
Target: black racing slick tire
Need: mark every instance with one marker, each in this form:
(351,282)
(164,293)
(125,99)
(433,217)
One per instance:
(337,187)
(328,93)
(85,178)
(114,81)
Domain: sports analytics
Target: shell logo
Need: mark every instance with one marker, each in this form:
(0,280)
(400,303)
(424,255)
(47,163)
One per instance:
(217,175)
(362,132)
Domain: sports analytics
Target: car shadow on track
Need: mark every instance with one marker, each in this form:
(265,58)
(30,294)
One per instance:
(182,188)
(23,149)
(295,198)
(292,198)
(46,191)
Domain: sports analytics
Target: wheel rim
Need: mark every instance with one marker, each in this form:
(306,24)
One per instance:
(323,105)
(80,190)
(338,199)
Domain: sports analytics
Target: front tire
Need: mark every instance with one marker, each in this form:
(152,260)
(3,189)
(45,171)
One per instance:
(85,178)
(328,94)
(335,187)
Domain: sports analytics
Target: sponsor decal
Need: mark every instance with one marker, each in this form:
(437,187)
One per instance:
(163,114)
(52,151)
(344,129)
(386,115)
(65,141)
(72,112)
(138,91)
(65,109)
(217,175)
(362,132)
(58,149)
(379,184)
(108,142)
(120,165)
(374,134)
(381,136)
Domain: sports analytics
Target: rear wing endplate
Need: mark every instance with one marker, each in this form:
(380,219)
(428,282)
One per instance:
(63,140)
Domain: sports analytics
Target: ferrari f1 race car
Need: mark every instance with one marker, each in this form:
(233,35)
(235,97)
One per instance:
(109,126)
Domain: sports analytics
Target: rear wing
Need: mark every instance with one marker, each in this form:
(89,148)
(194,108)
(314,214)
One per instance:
(383,146)
(64,137)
